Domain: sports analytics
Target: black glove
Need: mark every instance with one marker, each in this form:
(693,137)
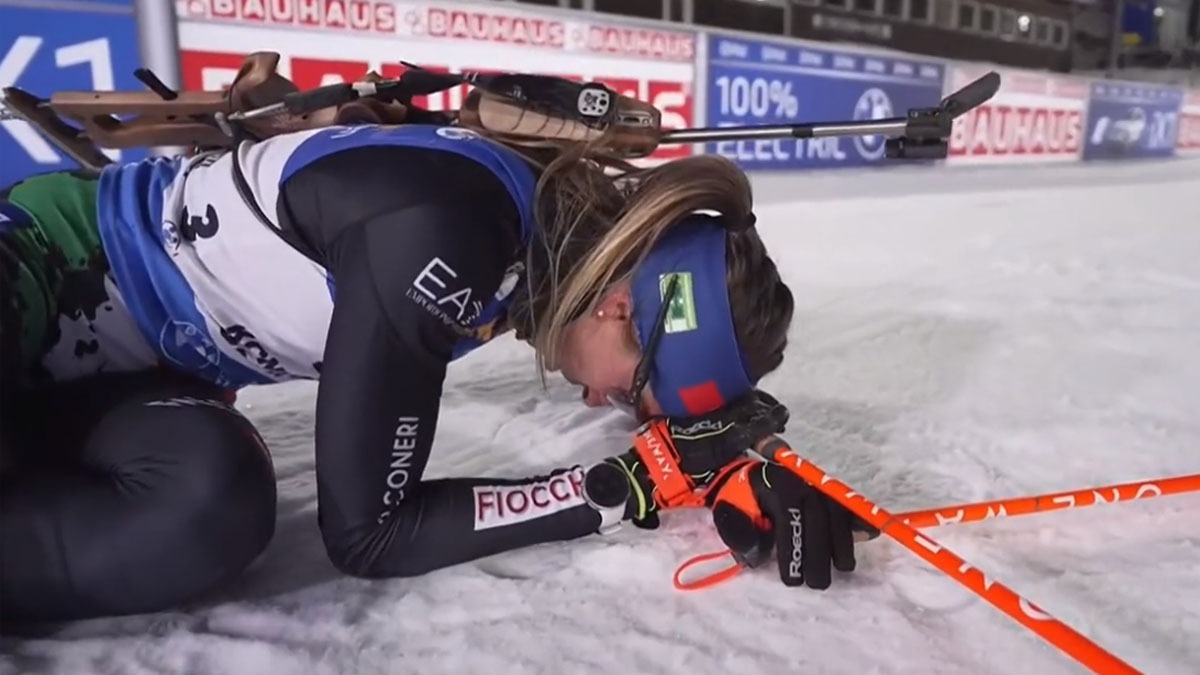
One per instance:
(760,505)
(672,457)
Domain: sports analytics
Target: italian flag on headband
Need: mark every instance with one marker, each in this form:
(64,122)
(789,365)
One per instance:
(698,365)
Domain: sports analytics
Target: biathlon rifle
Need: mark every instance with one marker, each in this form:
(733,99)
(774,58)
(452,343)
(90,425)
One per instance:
(261,103)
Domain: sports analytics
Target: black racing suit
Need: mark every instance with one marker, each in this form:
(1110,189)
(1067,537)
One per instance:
(142,490)
(376,224)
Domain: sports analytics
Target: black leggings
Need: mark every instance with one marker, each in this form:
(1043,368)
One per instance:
(124,494)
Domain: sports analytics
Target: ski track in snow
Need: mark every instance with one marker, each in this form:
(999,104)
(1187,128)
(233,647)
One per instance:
(959,336)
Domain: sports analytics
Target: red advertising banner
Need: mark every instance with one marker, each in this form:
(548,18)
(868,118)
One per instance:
(325,41)
(1189,123)
(1035,117)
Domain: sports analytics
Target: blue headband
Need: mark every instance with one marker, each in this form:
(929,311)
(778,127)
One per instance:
(698,366)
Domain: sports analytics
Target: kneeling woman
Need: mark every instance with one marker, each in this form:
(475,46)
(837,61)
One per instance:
(369,258)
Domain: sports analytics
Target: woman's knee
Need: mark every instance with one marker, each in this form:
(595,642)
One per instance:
(180,502)
(214,469)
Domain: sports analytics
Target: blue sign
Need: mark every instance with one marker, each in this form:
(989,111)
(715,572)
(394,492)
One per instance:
(751,82)
(1131,119)
(48,50)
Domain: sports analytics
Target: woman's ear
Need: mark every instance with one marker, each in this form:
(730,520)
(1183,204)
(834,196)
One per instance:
(617,304)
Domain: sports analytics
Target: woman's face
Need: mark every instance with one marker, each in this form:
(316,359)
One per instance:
(600,353)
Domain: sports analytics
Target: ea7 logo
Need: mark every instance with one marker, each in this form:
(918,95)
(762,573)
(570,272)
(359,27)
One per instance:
(433,290)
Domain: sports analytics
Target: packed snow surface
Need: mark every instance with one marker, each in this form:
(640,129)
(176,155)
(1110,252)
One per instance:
(960,335)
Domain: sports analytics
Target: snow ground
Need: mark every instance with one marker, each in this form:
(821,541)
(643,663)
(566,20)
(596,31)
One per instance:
(959,336)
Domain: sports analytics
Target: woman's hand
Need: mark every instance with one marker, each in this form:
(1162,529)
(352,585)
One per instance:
(673,457)
(762,506)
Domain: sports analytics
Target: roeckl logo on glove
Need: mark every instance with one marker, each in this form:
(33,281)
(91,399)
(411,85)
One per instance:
(795,567)
(701,428)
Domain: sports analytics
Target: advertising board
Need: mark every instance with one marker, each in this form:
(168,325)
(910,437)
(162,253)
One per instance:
(324,41)
(1131,119)
(754,82)
(1189,124)
(1034,117)
(81,46)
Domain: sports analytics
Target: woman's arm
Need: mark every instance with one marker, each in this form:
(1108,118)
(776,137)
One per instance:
(433,248)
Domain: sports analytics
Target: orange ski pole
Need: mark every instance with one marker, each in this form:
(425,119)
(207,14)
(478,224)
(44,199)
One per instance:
(1022,611)
(997,508)
(1054,501)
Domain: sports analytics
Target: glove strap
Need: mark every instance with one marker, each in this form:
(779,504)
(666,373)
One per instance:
(739,495)
(655,449)
(731,485)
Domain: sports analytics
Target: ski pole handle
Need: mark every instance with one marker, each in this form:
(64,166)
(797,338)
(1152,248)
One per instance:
(1024,612)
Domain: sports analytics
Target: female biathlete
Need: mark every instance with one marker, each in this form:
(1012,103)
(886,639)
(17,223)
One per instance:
(133,304)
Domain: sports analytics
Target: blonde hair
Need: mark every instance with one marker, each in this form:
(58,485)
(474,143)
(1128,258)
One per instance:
(599,216)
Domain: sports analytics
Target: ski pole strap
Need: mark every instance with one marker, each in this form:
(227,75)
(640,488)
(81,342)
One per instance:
(710,580)
(653,445)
